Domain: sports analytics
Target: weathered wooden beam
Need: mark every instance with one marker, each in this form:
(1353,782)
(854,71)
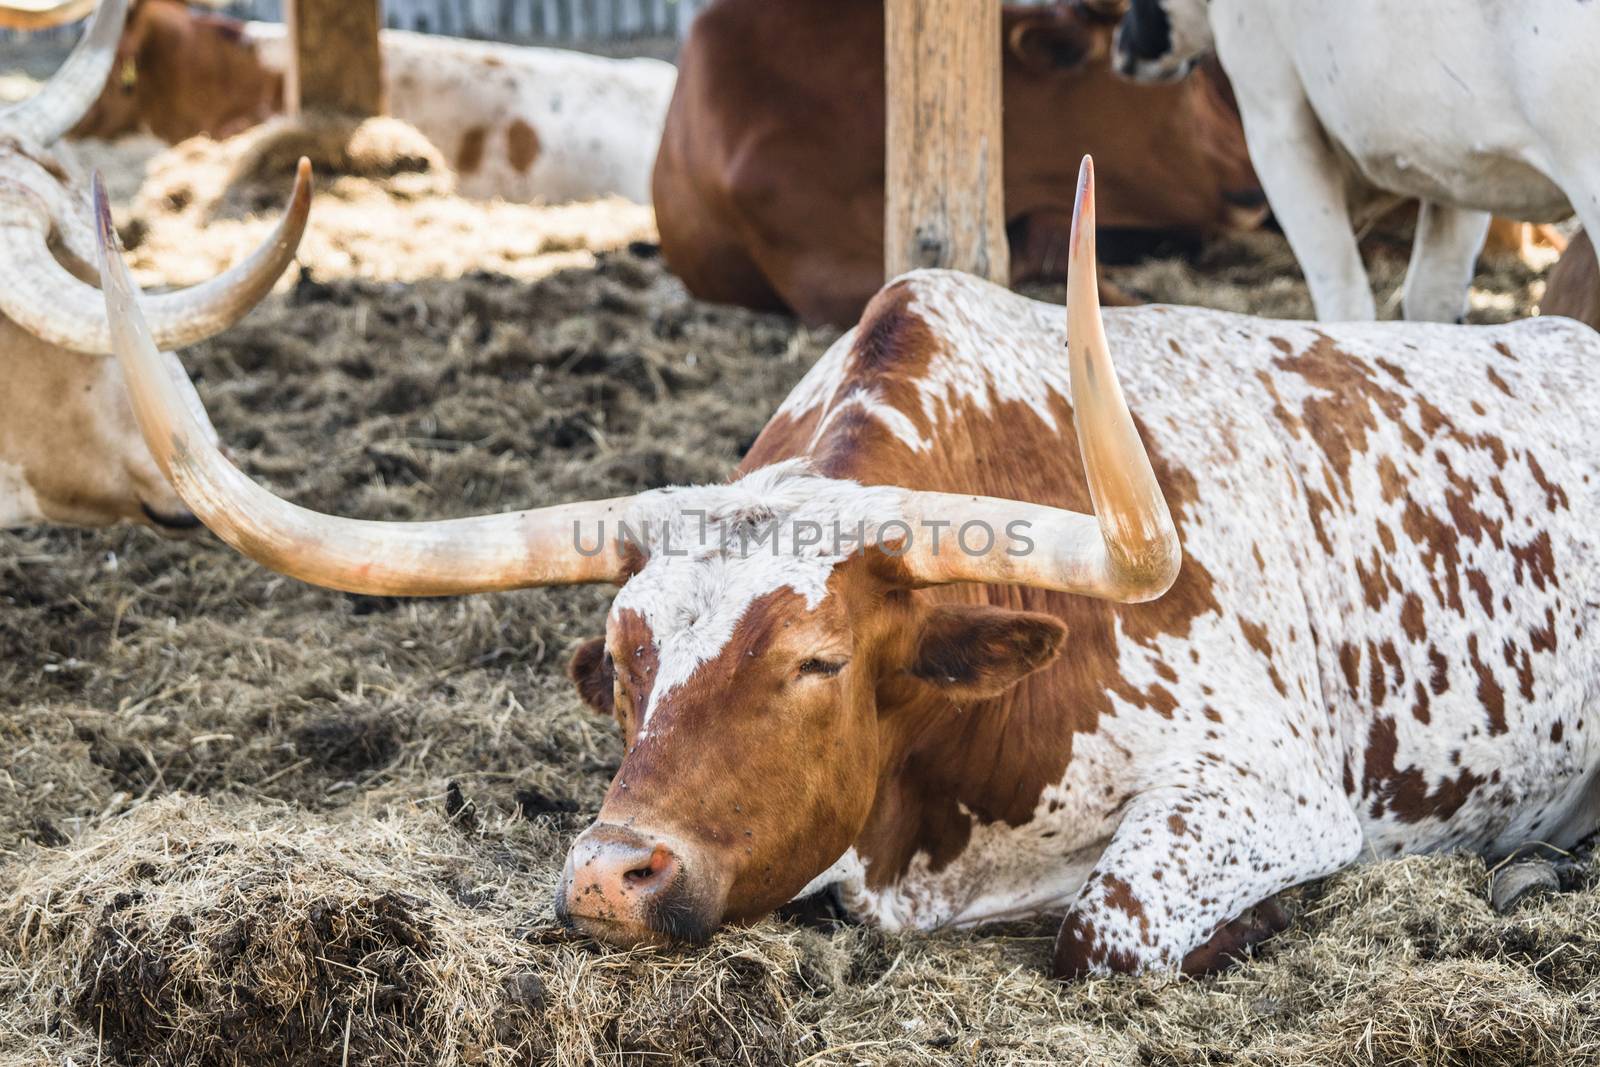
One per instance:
(945,199)
(337,66)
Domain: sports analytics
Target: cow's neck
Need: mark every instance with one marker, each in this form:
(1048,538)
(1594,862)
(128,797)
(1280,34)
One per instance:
(945,765)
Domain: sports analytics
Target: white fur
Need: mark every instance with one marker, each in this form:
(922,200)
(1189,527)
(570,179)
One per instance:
(598,120)
(1473,106)
(693,601)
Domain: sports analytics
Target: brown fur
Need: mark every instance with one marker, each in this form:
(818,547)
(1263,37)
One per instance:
(181,73)
(769,184)
(1574,286)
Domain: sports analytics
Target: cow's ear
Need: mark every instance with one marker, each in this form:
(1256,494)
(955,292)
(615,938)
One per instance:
(1044,43)
(975,651)
(590,670)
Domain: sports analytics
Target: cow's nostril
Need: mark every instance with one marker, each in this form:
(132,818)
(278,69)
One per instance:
(655,869)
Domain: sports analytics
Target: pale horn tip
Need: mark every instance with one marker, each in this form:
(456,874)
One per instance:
(301,199)
(1082,242)
(105,230)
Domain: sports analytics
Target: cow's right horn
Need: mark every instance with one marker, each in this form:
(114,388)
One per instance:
(1128,550)
(483,554)
(72,90)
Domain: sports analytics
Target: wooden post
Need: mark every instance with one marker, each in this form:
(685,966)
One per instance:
(945,199)
(337,66)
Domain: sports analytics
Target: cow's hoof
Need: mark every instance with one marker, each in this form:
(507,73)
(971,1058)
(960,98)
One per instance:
(1516,882)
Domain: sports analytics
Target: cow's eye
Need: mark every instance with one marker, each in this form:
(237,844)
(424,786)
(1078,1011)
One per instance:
(821,667)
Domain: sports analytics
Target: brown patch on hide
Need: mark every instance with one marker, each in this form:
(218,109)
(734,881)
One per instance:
(469,156)
(522,146)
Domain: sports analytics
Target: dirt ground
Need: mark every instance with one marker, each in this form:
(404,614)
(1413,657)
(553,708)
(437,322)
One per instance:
(243,821)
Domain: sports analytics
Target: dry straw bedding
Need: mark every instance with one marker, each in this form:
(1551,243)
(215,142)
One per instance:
(228,833)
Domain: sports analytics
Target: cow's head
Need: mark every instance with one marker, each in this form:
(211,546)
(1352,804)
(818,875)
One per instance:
(763,633)
(748,664)
(70,449)
(1161,40)
(117,111)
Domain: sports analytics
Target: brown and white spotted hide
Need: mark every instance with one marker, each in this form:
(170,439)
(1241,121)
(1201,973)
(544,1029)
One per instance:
(1380,641)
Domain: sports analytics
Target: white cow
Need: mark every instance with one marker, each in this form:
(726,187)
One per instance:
(1473,106)
(521,123)
(70,451)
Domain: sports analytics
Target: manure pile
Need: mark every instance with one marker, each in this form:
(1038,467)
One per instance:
(243,821)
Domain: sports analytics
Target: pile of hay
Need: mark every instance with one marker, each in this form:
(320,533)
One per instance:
(227,828)
(199,933)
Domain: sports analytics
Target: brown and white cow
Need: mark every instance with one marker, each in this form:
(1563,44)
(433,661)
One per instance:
(768,187)
(517,123)
(1573,288)
(180,73)
(70,451)
(1382,638)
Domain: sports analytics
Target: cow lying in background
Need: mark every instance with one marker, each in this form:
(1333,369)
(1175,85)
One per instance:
(180,73)
(769,185)
(1573,288)
(1475,106)
(917,651)
(517,123)
(70,451)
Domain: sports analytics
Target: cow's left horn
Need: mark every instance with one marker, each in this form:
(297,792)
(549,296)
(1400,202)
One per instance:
(457,556)
(47,300)
(72,90)
(1128,550)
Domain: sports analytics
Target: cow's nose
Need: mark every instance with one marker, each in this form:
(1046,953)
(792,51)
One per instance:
(628,887)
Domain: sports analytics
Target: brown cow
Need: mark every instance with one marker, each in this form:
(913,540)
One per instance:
(180,73)
(769,183)
(1573,288)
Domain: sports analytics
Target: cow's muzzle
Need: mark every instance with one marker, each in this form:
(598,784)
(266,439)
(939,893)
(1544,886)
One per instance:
(628,887)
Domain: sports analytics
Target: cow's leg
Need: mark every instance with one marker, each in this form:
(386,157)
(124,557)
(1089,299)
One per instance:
(1304,179)
(1443,255)
(1186,864)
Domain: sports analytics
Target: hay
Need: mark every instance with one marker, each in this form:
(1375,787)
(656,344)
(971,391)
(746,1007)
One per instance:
(205,933)
(226,826)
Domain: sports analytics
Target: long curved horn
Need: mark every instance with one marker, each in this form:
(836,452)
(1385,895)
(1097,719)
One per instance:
(44,298)
(483,554)
(72,91)
(71,215)
(1128,550)
(42,14)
